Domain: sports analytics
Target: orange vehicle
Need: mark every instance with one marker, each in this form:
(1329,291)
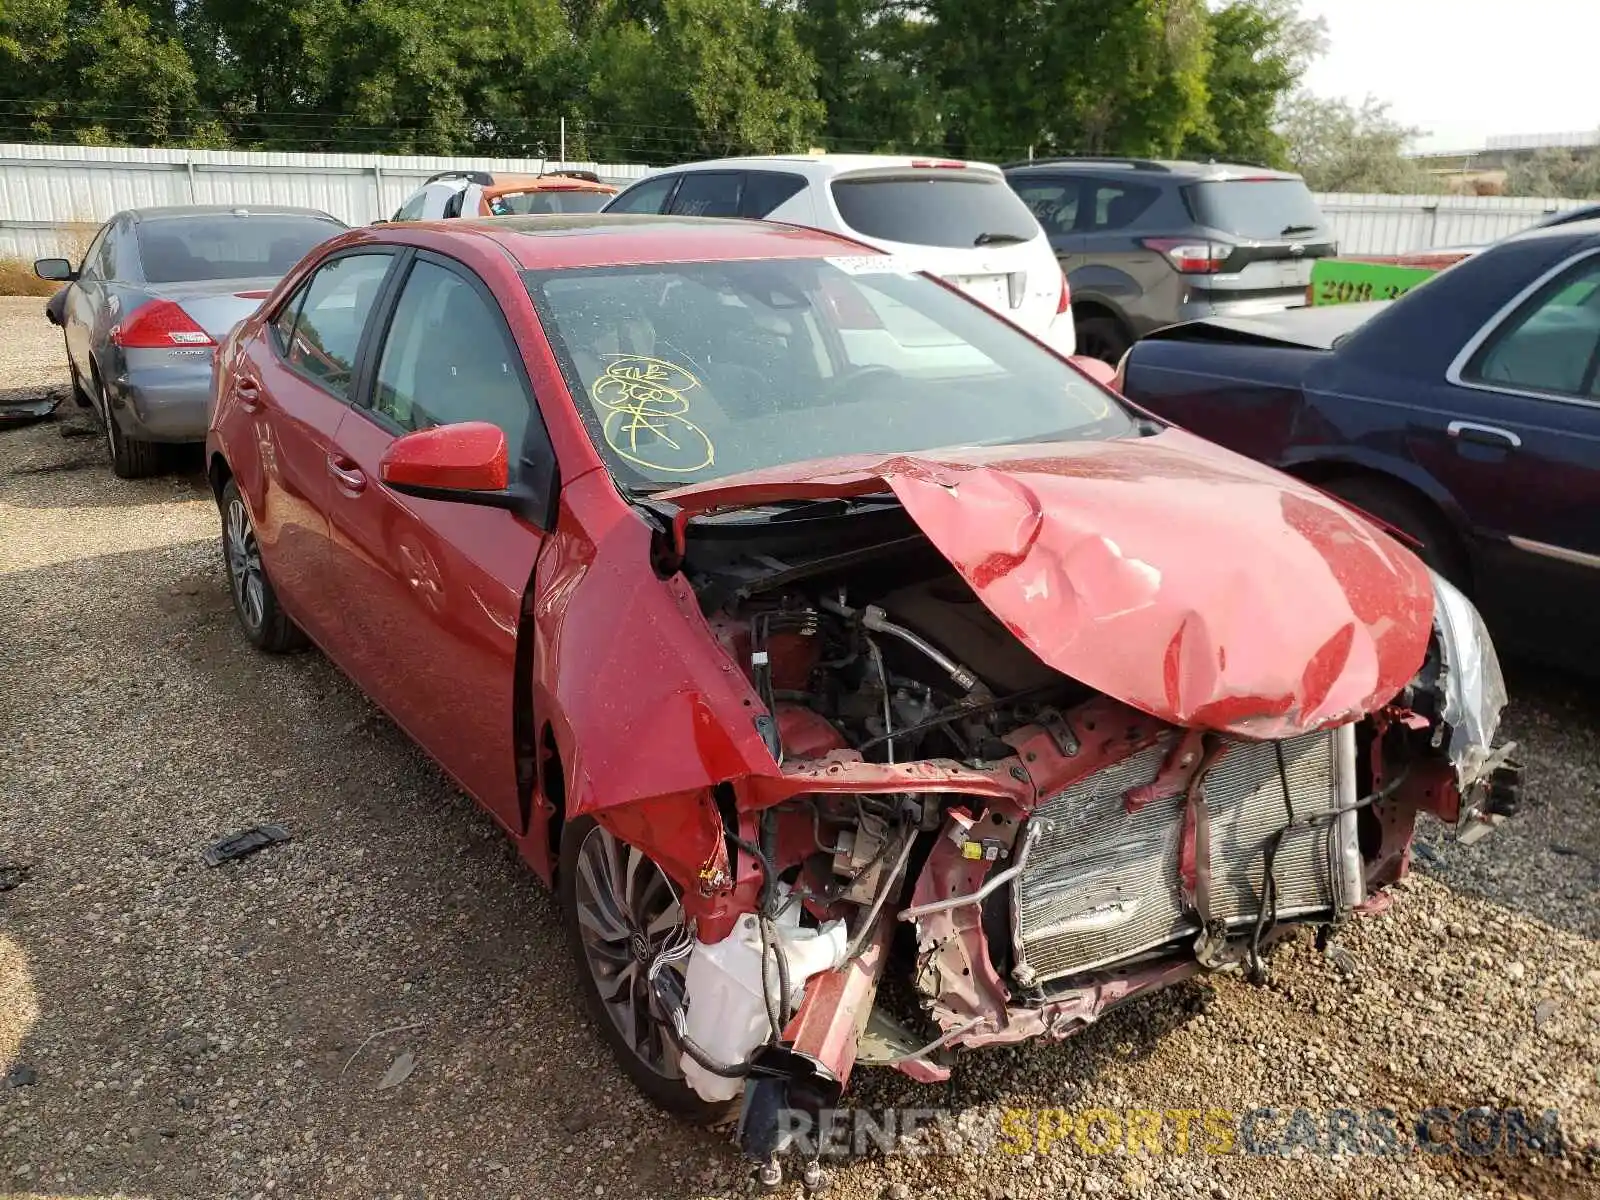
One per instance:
(485,194)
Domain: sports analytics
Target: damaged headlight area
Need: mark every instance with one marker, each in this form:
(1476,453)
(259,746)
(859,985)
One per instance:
(1008,852)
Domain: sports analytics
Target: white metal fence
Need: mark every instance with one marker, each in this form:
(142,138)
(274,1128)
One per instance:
(51,196)
(1397,224)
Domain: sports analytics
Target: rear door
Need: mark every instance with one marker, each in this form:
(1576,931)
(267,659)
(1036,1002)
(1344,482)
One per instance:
(708,194)
(292,387)
(1518,444)
(430,592)
(962,223)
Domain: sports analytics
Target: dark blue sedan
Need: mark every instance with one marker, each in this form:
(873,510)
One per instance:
(1465,415)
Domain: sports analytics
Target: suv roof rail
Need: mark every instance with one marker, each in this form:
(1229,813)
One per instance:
(481,178)
(1138,164)
(586,176)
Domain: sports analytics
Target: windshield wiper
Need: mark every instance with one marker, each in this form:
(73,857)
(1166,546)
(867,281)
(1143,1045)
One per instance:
(1288,229)
(997,239)
(790,510)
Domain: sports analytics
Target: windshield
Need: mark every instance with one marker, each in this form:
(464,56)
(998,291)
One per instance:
(548,200)
(940,206)
(227,246)
(1262,209)
(691,371)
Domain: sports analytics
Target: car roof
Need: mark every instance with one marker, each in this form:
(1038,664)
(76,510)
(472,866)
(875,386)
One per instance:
(1154,169)
(166,212)
(826,166)
(1570,230)
(555,181)
(623,239)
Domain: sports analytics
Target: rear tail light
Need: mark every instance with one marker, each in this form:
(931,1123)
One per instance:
(851,310)
(160,325)
(1190,257)
(1065,302)
(262,295)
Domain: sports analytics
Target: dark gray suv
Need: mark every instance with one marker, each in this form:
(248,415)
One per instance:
(1147,243)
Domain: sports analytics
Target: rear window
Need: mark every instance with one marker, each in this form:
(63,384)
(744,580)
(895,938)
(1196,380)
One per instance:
(547,200)
(935,207)
(181,249)
(1257,208)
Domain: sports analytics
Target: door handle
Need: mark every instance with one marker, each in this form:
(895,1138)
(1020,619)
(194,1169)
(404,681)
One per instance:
(347,473)
(1483,435)
(249,393)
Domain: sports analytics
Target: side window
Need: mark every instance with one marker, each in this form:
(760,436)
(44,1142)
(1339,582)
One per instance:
(412,209)
(1118,205)
(708,194)
(765,190)
(1053,201)
(647,197)
(283,323)
(338,300)
(1553,343)
(90,266)
(448,358)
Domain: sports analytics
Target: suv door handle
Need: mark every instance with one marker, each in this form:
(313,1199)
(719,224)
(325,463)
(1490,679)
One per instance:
(1483,435)
(249,393)
(346,472)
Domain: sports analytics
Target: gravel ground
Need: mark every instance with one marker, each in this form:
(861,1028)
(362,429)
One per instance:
(177,1031)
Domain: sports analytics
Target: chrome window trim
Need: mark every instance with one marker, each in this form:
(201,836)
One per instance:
(1453,375)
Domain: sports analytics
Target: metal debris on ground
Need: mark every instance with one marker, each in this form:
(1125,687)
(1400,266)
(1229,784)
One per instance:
(245,842)
(26,412)
(399,1071)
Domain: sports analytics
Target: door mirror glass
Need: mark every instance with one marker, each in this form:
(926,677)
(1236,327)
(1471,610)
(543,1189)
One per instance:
(1101,372)
(441,462)
(57,270)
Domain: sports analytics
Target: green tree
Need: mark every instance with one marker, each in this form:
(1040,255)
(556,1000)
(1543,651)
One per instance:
(1557,172)
(875,92)
(703,78)
(1259,51)
(1103,76)
(1340,147)
(91,71)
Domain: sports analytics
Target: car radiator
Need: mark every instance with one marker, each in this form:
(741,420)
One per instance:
(1101,884)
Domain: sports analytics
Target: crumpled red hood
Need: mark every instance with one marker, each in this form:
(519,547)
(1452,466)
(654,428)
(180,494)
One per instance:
(1173,575)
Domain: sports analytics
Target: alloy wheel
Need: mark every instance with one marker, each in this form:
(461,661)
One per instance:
(244,565)
(626,911)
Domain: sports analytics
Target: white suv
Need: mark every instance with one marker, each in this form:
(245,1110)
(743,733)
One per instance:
(957,220)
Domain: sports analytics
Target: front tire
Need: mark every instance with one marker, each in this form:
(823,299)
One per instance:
(254,602)
(618,907)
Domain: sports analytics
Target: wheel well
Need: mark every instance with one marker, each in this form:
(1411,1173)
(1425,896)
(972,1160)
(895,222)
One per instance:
(218,472)
(1088,310)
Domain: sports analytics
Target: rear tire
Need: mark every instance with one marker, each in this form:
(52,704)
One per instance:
(264,622)
(130,457)
(1433,541)
(1103,338)
(596,873)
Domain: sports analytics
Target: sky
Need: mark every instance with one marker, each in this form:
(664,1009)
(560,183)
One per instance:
(1463,70)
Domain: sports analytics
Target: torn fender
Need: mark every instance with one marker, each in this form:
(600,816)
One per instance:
(1185,580)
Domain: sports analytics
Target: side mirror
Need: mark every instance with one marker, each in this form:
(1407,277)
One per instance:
(56,270)
(467,462)
(1096,369)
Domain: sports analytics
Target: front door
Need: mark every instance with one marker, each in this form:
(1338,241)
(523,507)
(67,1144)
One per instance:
(293,387)
(430,592)
(1517,441)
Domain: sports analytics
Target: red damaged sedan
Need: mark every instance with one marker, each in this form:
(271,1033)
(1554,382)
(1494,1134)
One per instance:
(804,622)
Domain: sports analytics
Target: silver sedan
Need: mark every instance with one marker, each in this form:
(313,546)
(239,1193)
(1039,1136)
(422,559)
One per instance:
(156,292)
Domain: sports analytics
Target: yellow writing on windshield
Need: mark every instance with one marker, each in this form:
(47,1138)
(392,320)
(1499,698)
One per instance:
(645,405)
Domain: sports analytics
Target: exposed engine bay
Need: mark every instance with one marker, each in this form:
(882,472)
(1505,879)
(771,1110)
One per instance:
(1041,851)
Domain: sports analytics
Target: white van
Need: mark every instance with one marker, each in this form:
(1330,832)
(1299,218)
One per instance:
(957,220)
